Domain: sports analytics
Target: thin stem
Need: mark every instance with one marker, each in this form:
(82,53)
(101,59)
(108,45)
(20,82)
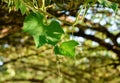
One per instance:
(58,66)
(43,5)
(77,17)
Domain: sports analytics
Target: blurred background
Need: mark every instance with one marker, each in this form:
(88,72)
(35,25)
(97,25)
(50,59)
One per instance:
(97,56)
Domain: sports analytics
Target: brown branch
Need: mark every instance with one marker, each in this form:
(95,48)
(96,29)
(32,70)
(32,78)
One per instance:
(102,29)
(25,56)
(118,35)
(22,79)
(100,41)
(8,30)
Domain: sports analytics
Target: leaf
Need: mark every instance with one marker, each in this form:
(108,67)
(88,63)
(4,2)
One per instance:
(20,4)
(42,33)
(23,8)
(17,4)
(10,3)
(54,32)
(109,4)
(114,6)
(66,48)
(39,40)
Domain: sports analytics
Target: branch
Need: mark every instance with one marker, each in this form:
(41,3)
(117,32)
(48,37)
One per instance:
(118,35)
(30,80)
(102,29)
(16,59)
(115,1)
(100,41)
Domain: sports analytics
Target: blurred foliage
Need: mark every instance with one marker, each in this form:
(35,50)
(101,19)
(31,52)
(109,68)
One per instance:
(21,62)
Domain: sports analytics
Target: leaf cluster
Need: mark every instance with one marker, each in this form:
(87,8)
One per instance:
(51,33)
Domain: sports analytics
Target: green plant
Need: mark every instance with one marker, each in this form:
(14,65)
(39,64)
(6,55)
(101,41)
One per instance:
(45,26)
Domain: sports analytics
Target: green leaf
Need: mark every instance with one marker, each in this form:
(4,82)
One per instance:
(20,4)
(114,6)
(66,48)
(42,33)
(23,8)
(17,4)
(109,4)
(39,40)
(54,32)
